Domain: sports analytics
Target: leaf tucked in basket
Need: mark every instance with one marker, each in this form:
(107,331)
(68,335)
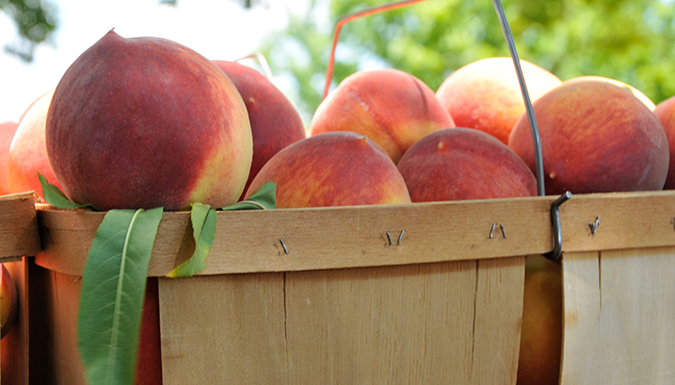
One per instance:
(264,198)
(203,219)
(113,289)
(57,198)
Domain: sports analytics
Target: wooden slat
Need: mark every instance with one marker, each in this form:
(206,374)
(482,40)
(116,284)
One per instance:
(225,329)
(327,238)
(393,325)
(18,227)
(619,312)
(581,292)
(344,237)
(55,359)
(627,220)
(14,350)
(499,309)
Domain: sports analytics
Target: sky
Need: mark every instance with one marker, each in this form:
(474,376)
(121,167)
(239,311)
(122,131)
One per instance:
(217,29)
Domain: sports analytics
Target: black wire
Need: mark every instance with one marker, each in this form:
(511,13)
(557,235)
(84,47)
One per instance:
(526,97)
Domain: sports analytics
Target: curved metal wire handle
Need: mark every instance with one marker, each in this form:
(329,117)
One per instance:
(538,157)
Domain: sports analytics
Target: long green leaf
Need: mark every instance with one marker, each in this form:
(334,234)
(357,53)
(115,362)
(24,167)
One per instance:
(203,219)
(54,196)
(264,198)
(113,289)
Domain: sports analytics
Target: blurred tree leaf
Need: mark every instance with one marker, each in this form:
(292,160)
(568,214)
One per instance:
(35,21)
(629,40)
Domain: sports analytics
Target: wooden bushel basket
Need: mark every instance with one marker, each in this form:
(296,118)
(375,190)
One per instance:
(18,238)
(442,302)
(347,306)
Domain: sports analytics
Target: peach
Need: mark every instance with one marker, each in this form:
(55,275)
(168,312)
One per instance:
(463,163)
(595,137)
(149,359)
(638,94)
(485,95)
(665,111)
(542,329)
(275,123)
(391,107)
(146,122)
(8,301)
(28,151)
(333,169)
(7,130)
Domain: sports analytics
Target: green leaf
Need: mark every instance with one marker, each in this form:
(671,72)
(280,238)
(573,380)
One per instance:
(55,197)
(264,198)
(203,219)
(113,289)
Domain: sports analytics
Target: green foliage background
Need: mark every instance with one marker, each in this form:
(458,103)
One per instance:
(35,20)
(628,40)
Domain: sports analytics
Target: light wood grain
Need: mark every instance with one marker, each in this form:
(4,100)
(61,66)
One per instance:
(619,312)
(18,227)
(436,323)
(344,237)
(626,221)
(387,325)
(498,319)
(225,329)
(326,238)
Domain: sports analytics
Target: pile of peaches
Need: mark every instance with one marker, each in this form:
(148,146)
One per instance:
(147,122)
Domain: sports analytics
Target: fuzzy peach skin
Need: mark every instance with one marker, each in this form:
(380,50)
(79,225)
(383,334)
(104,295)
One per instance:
(595,137)
(542,330)
(7,130)
(333,169)
(463,163)
(638,94)
(28,151)
(275,123)
(9,300)
(391,107)
(665,111)
(146,122)
(485,95)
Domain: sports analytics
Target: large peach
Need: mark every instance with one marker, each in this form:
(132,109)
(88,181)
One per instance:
(333,169)
(463,163)
(595,137)
(542,329)
(485,94)
(146,122)
(665,111)
(28,152)
(275,123)
(8,301)
(7,130)
(391,107)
